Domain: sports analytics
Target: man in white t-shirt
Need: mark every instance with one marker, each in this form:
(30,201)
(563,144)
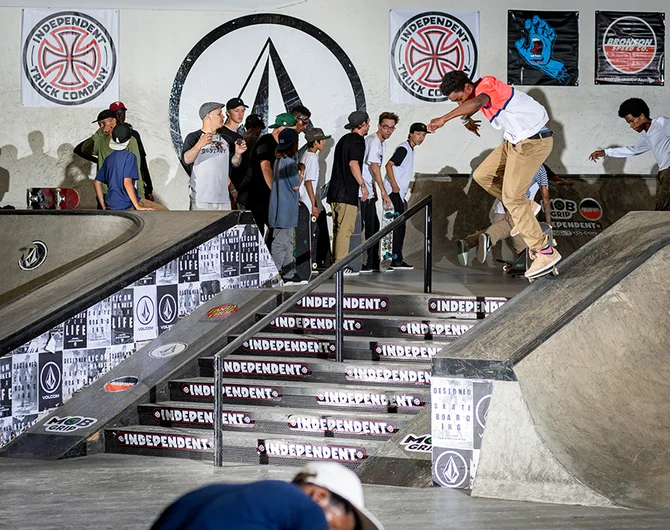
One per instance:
(375,147)
(654,137)
(399,173)
(316,140)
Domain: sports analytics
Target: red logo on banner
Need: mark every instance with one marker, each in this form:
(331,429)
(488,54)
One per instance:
(590,209)
(222,311)
(629,44)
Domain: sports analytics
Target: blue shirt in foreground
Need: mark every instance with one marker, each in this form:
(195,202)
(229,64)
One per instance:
(283,207)
(116,167)
(264,505)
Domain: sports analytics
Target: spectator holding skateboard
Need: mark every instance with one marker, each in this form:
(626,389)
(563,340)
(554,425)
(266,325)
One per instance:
(119,173)
(399,173)
(283,204)
(508,171)
(375,147)
(345,183)
(654,137)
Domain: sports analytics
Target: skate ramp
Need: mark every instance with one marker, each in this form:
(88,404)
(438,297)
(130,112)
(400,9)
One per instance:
(69,238)
(579,371)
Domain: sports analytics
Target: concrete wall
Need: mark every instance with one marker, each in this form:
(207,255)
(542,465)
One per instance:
(36,144)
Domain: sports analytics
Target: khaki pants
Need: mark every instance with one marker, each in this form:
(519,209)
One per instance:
(506,174)
(499,230)
(344,221)
(146,203)
(663,190)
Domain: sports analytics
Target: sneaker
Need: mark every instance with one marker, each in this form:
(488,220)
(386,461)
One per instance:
(401,265)
(366,269)
(295,281)
(483,247)
(463,249)
(348,271)
(536,209)
(543,260)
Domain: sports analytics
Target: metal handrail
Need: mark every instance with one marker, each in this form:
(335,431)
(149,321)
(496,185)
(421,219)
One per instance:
(336,270)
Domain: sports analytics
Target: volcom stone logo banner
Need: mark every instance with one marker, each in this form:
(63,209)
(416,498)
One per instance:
(425,45)
(70,58)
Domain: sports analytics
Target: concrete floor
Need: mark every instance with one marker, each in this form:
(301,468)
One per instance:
(128,492)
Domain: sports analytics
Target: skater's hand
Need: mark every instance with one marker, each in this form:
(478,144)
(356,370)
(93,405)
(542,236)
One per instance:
(364,193)
(472,125)
(435,124)
(240,147)
(387,201)
(143,209)
(596,155)
(205,139)
(315,211)
(149,196)
(395,188)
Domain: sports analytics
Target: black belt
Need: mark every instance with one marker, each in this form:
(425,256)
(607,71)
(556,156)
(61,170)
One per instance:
(540,135)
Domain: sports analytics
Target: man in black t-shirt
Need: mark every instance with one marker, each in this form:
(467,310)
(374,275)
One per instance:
(235,109)
(346,181)
(255,187)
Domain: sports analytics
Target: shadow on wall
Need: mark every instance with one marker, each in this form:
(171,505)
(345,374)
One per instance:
(6,161)
(163,183)
(76,173)
(554,160)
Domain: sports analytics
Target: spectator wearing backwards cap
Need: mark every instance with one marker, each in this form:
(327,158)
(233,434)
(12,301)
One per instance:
(206,157)
(119,173)
(345,182)
(120,110)
(230,132)
(258,180)
(96,148)
(322,496)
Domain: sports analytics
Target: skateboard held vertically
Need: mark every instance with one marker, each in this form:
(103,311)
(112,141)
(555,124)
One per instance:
(303,243)
(52,198)
(386,244)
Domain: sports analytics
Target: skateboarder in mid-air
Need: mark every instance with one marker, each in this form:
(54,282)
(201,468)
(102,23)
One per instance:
(654,136)
(508,171)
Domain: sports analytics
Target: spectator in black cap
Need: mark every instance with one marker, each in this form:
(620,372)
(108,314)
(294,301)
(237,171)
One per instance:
(283,204)
(119,173)
(345,183)
(96,148)
(206,157)
(399,173)
(120,110)
(231,133)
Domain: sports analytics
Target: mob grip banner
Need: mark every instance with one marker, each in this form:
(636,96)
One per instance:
(630,48)
(69,58)
(543,48)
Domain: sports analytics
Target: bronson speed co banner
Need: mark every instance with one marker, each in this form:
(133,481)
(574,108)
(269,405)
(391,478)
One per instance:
(543,48)
(69,58)
(425,45)
(630,48)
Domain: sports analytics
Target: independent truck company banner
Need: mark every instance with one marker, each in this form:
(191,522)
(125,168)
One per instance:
(69,58)
(425,45)
(630,48)
(543,48)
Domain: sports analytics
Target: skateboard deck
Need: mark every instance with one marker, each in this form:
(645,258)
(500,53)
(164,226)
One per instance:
(304,236)
(553,270)
(386,244)
(355,241)
(52,198)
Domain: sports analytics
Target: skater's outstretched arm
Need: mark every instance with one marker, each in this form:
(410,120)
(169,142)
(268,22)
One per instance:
(467,108)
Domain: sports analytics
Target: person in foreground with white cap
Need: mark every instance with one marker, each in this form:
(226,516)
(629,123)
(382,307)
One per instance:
(322,496)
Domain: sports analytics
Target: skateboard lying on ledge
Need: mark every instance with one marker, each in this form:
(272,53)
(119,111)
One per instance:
(52,198)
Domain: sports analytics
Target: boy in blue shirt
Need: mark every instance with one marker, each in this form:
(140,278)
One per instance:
(119,172)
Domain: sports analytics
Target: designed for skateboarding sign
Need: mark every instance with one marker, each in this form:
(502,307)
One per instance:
(70,58)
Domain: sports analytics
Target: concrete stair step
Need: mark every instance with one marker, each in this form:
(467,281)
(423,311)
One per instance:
(244,447)
(321,396)
(276,420)
(319,370)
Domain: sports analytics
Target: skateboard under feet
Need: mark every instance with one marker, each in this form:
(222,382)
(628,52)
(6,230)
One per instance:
(552,243)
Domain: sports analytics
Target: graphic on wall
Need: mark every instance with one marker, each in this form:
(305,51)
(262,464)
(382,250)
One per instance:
(70,58)
(543,48)
(425,45)
(630,48)
(47,371)
(284,62)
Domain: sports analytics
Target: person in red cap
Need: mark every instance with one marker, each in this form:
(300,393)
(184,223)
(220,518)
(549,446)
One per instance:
(120,110)
(322,496)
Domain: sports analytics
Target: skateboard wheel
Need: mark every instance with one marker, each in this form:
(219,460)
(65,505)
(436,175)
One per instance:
(554,271)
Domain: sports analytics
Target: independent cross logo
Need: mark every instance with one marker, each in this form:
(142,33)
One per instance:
(428,46)
(34,256)
(69,58)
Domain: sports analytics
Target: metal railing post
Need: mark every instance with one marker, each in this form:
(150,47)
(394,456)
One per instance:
(339,315)
(428,249)
(218,410)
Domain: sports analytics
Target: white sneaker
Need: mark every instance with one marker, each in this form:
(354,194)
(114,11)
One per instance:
(543,261)
(348,271)
(463,250)
(536,209)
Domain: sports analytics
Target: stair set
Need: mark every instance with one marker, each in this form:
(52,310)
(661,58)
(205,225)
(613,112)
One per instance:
(286,399)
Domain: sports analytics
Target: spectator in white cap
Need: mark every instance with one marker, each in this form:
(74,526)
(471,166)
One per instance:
(323,496)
